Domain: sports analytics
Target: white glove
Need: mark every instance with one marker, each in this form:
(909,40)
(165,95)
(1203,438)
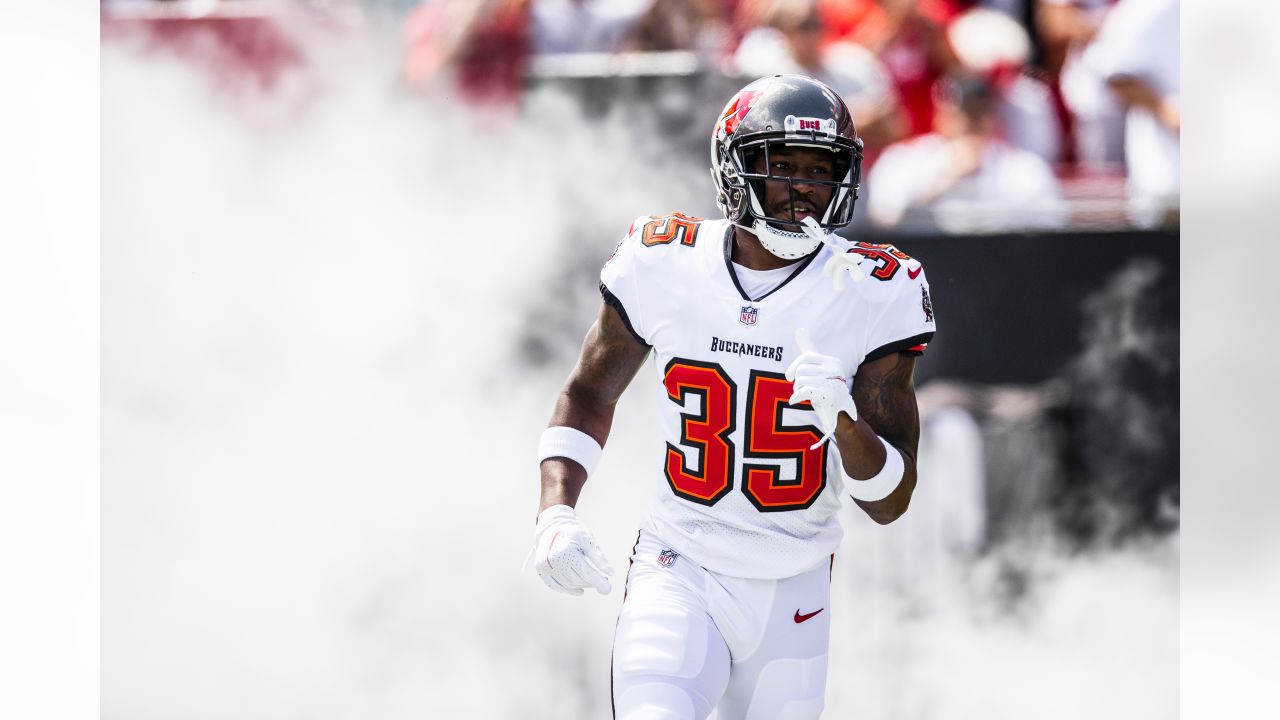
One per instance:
(841,258)
(821,380)
(850,261)
(567,557)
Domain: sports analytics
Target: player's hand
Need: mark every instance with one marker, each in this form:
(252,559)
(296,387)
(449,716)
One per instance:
(842,262)
(841,259)
(567,557)
(821,380)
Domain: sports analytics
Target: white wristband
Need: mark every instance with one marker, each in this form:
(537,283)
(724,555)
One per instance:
(571,443)
(884,483)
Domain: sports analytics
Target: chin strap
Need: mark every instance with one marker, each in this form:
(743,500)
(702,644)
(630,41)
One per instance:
(841,258)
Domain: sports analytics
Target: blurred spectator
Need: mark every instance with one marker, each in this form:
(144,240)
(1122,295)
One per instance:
(573,26)
(482,46)
(242,45)
(991,44)
(964,177)
(908,38)
(751,14)
(791,43)
(1012,8)
(703,26)
(1067,27)
(1137,52)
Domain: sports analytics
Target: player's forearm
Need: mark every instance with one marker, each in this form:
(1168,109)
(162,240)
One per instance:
(863,456)
(582,409)
(891,508)
(861,452)
(563,479)
(562,482)
(884,391)
(609,359)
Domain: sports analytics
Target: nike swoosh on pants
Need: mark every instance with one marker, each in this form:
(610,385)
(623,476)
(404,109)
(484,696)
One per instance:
(801,618)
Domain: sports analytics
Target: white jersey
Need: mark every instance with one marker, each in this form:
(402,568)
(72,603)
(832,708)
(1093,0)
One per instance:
(744,495)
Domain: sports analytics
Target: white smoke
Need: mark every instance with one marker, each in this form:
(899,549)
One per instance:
(318,484)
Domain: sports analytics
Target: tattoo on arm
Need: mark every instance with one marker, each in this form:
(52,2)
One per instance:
(886,398)
(885,394)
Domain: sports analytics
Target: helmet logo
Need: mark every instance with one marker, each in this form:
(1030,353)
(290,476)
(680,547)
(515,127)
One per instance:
(793,124)
(736,110)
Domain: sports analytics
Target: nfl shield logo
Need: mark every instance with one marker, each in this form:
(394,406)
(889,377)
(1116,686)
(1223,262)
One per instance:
(667,558)
(748,315)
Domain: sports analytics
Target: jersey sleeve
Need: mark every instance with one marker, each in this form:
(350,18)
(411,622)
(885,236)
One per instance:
(905,323)
(620,281)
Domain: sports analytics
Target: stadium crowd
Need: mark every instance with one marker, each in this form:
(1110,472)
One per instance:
(1012,107)
(1006,104)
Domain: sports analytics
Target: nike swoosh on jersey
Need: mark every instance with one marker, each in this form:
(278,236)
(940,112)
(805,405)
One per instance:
(916,273)
(801,618)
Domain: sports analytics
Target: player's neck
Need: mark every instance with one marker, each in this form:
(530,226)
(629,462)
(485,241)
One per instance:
(749,253)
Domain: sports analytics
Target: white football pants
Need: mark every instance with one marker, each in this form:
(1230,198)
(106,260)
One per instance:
(690,641)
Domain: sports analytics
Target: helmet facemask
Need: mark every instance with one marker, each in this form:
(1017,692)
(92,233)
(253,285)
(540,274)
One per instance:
(782,233)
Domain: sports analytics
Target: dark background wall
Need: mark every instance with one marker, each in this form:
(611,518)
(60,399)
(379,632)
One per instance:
(1012,308)
(1083,327)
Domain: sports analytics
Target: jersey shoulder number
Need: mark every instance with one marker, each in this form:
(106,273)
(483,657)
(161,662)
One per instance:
(888,260)
(666,229)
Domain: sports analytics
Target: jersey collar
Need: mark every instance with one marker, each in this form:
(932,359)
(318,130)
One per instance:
(733,275)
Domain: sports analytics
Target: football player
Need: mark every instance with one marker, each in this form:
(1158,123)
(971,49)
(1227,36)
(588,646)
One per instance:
(784,359)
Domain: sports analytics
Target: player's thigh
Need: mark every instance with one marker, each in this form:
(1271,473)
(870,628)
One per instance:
(669,659)
(786,677)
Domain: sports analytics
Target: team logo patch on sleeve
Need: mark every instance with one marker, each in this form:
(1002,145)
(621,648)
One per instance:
(749,315)
(926,304)
(667,558)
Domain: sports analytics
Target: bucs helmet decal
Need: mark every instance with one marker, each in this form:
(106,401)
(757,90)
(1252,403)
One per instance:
(735,111)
